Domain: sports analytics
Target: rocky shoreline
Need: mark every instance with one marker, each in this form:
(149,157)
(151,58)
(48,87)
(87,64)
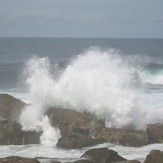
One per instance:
(99,155)
(78,130)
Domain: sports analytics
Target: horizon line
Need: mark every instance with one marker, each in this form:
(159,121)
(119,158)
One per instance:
(47,37)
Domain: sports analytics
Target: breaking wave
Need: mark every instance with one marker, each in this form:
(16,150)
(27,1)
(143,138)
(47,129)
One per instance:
(98,82)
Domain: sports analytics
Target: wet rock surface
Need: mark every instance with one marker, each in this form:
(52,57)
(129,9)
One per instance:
(129,161)
(102,155)
(69,122)
(17,159)
(96,155)
(77,129)
(78,141)
(155,133)
(155,156)
(10,107)
(12,134)
(124,137)
(83,161)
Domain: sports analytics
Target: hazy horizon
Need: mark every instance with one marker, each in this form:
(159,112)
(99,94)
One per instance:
(81,18)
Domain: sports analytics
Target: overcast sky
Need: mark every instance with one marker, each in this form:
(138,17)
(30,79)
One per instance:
(82,18)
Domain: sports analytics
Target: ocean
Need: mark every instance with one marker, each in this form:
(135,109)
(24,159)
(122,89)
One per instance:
(119,80)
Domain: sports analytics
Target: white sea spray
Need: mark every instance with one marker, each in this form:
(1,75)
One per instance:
(98,82)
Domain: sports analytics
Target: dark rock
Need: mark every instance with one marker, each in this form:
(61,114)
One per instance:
(77,141)
(3,119)
(10,107)
(155,133)
(10,129)
(124,137)
(16,159)
(11,134)
(48,160)
(102,155)
(129,161)
(76,128)
(83,161)
(69,122)
(155,156)
(88,161)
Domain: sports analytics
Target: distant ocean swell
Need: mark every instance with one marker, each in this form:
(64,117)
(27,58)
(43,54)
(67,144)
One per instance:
(98,82)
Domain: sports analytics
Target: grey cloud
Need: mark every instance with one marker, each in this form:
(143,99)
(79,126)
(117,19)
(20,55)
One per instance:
(35,19)
(139,19)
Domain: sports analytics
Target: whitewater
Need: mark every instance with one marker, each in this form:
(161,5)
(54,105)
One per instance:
(125,90)
(96,82)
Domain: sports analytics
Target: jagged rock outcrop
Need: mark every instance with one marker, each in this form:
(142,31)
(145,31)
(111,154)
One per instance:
(102,155)
(10,107)
(77,141)
(17,159)
(124,137)
(155,156)
(155,133)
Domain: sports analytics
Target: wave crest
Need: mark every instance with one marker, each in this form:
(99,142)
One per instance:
(96,82)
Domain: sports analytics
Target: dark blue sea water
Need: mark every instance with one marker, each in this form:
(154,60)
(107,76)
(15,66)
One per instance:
(119,80)
(14,52)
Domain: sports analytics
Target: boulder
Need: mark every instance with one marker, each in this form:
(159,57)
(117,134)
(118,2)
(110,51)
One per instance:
(77,141)
(155,156)
(10,129)
(70,122)
(48,160)
(129,161)
(17,159)
(11,134)
(155,133)
(83,161)
(124,137)
(102,155)
(77,129)
(10,107)
(89,161)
